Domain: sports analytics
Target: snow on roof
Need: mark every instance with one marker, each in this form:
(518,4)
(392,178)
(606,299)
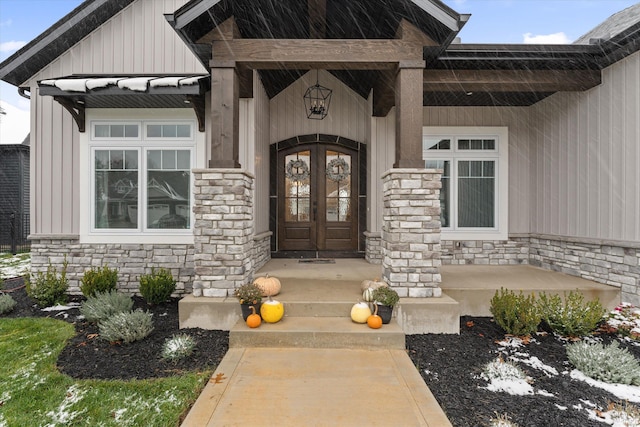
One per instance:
(137,84)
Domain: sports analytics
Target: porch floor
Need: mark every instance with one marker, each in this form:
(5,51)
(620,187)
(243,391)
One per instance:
(472,286)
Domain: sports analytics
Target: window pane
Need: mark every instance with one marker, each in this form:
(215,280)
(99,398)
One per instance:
(184,161)
(436,143)
(169,131)
(297,186)
(154,131)
(102,131)
(131,131)
(117,131)
(168,159)
(102,159)
(168,199)
(476,197)
(116,159)
(116,190)
(130,159)
(154,159)
(184,131)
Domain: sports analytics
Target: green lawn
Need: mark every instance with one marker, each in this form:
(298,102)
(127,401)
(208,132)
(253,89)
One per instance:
(34,393)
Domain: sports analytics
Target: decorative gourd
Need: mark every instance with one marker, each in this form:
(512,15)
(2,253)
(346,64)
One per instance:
(270,286)
(367,295)
(272,311)
(360,312)
(374,321)
(373,284)
(253,320)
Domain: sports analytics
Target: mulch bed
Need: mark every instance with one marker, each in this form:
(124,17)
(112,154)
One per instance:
(87,356)
(449,364)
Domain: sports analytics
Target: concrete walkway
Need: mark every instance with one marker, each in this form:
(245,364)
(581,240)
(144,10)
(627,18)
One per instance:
(316,387)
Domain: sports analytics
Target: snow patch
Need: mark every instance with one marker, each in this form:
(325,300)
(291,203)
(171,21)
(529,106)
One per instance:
(102,82)
(63,415)
(138,84)
(545,393)
(190,80)
(165,82)
(562,408)
(536,363)
(621,391)
(69,306)
(72,85)
(514,386)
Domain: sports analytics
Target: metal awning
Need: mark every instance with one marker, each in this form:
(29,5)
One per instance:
(78,92)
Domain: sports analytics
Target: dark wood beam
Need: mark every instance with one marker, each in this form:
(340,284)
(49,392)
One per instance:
(332,54)
(225,116)
(410,33)
(317,19)
(199,105)
(510,80)
(409,117)
(228,30)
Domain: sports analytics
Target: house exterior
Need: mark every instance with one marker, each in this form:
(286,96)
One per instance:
(14,196)
(177,134)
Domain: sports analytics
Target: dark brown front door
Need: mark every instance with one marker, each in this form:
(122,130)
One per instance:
(318,199)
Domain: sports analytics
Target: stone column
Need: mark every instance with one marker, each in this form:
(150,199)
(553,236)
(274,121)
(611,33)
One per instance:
(223,231)
(411,232)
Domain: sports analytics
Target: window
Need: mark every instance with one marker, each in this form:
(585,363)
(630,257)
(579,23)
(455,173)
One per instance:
(474,164)
(142,186)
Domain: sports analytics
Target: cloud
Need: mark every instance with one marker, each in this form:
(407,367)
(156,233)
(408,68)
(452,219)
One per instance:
(555,38)
(6,23)
(11,46)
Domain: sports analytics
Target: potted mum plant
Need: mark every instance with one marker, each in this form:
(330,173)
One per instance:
(248,295)
(386,298)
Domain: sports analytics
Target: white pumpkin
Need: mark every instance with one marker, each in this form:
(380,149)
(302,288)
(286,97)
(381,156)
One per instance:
(373,284)
(360,312)
(367,295)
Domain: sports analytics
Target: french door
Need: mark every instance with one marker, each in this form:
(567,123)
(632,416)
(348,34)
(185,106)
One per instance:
(318,199)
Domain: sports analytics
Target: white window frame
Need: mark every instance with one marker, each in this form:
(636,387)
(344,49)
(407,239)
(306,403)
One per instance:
(500,155)
(89,144)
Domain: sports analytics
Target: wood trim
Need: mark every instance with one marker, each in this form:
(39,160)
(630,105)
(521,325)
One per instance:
(225,118)
(310,54)
(317,18)
(409,32)
(409,119)
(510,80)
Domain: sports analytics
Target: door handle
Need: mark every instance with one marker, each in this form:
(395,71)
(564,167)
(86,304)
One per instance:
(315,210)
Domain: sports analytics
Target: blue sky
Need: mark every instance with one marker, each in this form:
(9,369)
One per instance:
(492,21)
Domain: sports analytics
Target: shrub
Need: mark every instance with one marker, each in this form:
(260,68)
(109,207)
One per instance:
(610,364)
(48,288)
(126,327)
(386,296)
(624,320)
(574,317)
(103,305)
(7,303)
(516,314)
(98,280)
(178,346)
(157,286)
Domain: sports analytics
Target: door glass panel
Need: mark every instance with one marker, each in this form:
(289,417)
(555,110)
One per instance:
(338,186)
(297,184)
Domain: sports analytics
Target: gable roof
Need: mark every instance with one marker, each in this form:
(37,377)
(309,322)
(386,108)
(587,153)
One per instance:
(58,38)
(612,26)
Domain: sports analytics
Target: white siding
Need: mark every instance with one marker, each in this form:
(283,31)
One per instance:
(348,113)
(261,161)
(585,157)
(382,155)
(136,40)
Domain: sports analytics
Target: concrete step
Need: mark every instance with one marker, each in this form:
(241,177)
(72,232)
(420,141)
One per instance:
(317,332)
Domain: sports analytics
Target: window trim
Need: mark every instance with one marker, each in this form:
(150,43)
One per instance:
(196,144)
(455,155)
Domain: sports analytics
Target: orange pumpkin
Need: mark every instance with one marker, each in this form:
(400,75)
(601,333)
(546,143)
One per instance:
(374,321)
(270,286)
(253,320)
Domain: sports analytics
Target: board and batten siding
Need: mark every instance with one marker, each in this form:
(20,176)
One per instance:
(137,40)
(348,113)
(585,154)
(261,156)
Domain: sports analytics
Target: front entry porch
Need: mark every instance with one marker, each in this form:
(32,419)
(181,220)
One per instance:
(314,290)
